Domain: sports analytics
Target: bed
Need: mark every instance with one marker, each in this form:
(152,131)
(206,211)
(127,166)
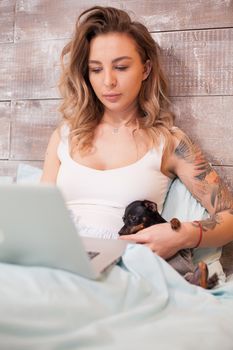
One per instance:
(139,303)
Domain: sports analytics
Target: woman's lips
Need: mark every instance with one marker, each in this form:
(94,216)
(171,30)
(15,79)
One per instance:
(112,98)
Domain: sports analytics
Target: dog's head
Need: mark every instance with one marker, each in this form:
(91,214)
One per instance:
(138,215)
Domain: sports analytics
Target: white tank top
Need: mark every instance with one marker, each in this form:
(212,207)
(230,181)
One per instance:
(97,198)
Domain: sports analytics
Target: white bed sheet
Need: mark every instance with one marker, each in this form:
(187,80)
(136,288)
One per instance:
(142,303)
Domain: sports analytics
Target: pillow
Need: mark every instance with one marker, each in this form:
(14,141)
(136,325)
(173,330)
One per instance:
(181,204)
(28,174)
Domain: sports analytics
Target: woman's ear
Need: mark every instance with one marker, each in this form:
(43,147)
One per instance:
(147,69)
(152,206)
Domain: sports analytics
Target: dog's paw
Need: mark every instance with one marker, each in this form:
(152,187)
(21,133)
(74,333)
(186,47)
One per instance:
(175,224)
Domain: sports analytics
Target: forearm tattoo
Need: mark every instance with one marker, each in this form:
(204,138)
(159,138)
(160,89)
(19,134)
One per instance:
(210,223)
(204,182)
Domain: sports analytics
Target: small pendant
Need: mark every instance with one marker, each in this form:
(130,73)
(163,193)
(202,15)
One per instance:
(115,130)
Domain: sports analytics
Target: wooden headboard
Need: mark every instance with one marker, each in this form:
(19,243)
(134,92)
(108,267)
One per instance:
(197,49)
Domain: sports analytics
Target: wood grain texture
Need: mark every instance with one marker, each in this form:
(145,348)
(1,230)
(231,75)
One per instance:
(167,15)
(7,17)
(209,122)
(6,75)
(30,70)
(32,125)
(5,111)
(34,17)
(198,62)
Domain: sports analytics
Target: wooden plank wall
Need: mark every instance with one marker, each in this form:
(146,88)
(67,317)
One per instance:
(197,49)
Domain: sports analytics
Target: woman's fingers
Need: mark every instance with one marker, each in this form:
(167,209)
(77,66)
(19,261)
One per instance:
(159,238)
(137,238)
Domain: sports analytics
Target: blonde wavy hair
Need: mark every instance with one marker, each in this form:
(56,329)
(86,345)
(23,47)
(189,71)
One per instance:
(81,108)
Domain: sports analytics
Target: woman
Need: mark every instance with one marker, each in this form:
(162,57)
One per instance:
(117,142)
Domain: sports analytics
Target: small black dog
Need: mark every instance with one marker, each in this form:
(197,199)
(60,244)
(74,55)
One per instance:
(143,213)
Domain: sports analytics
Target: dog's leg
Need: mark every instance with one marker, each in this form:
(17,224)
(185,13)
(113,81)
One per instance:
(200,277)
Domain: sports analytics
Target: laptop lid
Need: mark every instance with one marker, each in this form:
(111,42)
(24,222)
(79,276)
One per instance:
(36,230)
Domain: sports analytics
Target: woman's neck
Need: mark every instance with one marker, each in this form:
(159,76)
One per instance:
(119,119)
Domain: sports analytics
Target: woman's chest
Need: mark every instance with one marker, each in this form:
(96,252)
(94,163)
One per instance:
(113,150)
(118,187)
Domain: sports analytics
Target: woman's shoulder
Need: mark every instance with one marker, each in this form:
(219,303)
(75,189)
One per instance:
(177,134)
(59,134)
(62,131)
(177,139)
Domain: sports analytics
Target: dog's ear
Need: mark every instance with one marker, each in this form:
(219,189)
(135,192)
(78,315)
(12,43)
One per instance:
(150,205)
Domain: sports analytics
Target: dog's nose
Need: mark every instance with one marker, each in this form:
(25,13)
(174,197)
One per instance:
(124,231)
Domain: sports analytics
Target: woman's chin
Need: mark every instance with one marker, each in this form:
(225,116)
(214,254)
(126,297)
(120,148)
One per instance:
(120,107)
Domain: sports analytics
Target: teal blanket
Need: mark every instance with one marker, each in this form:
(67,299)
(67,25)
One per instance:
(141,303)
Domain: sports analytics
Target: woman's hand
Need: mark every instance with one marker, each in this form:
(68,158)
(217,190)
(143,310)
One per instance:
(160,238)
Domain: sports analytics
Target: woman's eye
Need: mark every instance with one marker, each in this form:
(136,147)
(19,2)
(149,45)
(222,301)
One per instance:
(121,67)
(95,70)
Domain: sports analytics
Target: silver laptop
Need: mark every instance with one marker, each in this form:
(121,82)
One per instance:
(36,230)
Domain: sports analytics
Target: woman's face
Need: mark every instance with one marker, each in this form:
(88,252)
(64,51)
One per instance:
(116,71)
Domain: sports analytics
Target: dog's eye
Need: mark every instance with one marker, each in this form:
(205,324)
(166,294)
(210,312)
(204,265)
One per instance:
(133,218)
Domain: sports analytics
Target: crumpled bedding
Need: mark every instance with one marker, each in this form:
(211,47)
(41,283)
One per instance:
(140,303)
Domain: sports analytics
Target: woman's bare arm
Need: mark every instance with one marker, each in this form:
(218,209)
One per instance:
(51,162)
(191,166)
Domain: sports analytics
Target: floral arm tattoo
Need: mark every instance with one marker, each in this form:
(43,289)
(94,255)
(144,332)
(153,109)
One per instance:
(203,182)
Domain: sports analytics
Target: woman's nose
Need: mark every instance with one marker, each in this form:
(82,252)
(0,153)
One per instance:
(110,79)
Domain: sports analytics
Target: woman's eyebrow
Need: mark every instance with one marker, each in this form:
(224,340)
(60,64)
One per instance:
(113,61)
